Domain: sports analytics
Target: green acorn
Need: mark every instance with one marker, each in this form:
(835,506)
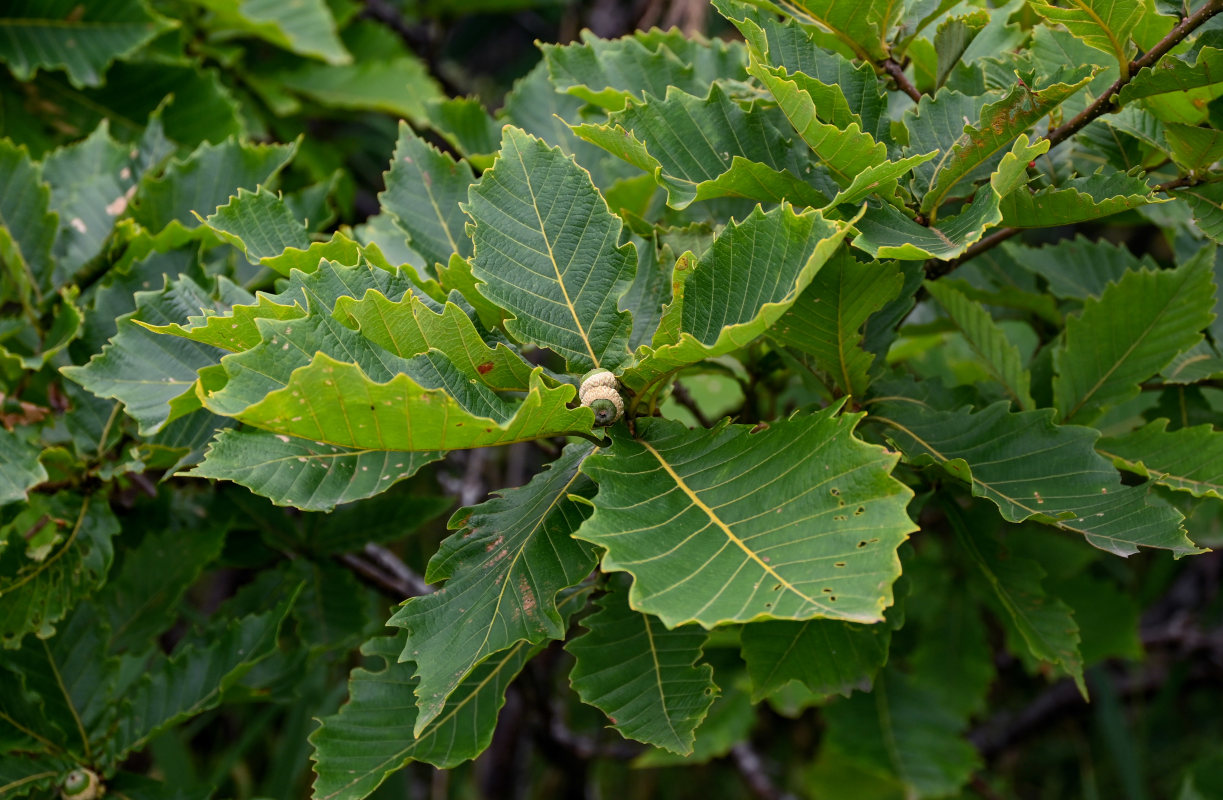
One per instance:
(600,392)
(81,784)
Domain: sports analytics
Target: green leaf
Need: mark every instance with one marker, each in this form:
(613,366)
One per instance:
(546,249)
(385,77)
(410,327)
(154,375)
(827,319)
(952,39)
(988,341)
(1076,200)
(19,467)
(503,571)
(643,676)
(21,774)
(83,40)
(195,677)
(336,403)
(1079,268)
(467,126)
(1206,200)
(142,600)
(1173,74)
(937,123)
(699,148)
(1033,469)
(753,272)
(726,525)
(86,178)
(827,656)
(304,474)
(1045,625)
(1187,459)
(57,552)
(862,28)
(998,126)
(423,190)
(259,224)
(844,149)
(844,91)
(1136,327)
(304,27)
(27,225)
(885,232)
(372,737)
(902,729)
(608,73)
(1191,147)
(204,181)
(1103,24)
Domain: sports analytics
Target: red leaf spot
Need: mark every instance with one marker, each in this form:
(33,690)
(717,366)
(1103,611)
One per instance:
(485,368)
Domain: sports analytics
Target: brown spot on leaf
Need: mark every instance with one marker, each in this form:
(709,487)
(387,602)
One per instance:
(485,368)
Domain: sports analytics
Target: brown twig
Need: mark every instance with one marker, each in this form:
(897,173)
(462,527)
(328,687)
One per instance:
(383,570)
(936,268)
(1104,103)
(1099,107)
(893,68)
(751,768)
(681,395)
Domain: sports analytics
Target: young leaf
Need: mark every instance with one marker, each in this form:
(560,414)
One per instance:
(729,526)
(1186,459)
(1007,458)
(1134,329)
(752,273)
(546,249)
(826,321)
(988,341)
(81,40)
(862,28)
(642,675)
(503,571)
(304,474)
(1173,74)
(827,656)
(699,148)
(423,190)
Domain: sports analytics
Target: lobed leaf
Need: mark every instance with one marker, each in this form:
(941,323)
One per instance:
(827,656)
(988,341)
(81,40)
(726,525)
(643,676)
(1136,327)
(503,571)
(547,250)
(1101,194)
(1187,459)
(1033,469)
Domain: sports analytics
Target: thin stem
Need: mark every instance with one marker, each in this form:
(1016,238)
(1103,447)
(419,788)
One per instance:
(937,269)
(891,67)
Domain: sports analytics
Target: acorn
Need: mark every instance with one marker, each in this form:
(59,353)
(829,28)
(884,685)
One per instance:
(599,392)
(81,784)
